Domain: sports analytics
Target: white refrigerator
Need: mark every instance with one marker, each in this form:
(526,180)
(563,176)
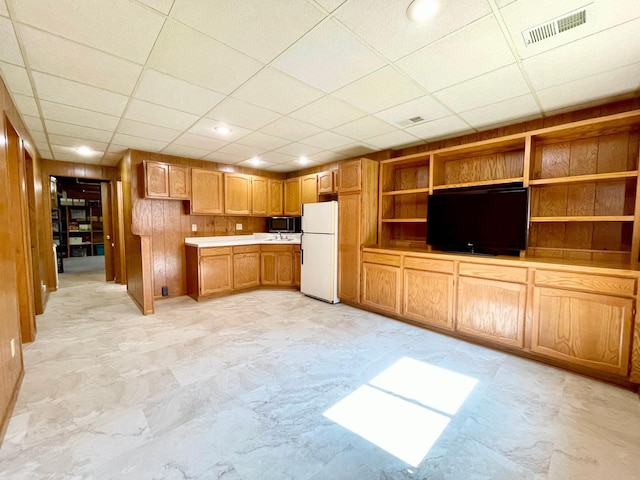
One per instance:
(319,251)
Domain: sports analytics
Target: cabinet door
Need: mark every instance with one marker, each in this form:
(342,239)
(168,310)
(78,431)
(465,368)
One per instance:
(296,266)
(237,194)
(156,179)
(381,287)
(586,329)
(309,187)
(246,270)
(215,274)
(179,182)
(349,247)
(268,268)
(284,268)
(275,198)
(325,182)
(350,177)
(292,196)
(260,196)
(428,297)
(492,310)
(206,192)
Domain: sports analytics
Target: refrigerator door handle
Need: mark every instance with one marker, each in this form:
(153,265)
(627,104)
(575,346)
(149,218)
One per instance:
(301,250)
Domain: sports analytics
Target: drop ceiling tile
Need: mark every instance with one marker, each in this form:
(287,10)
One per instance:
(277,158)
(502,84)
(206,127)
(183,151)
(379,90)
(78,116)
(288,167)
(326,157)
(330,5)
(26,104)
(117,149)
(244,151)
(79,63)
(67,154)
(163,6)
(44,151)
(592,55)
(138,143)
(9,48)
(327,112)
(263,140)
(120,27)
(162,89)
(395,139)
(328,57)
(509,111)
(474,50)
(224,158)
(327,140)
(3,9)
(385,26)
(189,55)
(73,142)
(598,87)
(260,29)
(443,127)
(243,114)
(298,150)
(356,149)
(16,79)
(69,130)
(146,130)
(199,142)
(362,128)
(426,107)
(157,115)
(38,137)
(111,160)
(276,91)
(291,129)
(263,165)
(33,123)
(76,94)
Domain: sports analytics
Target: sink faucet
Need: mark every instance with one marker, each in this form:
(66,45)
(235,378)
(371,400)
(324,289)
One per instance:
(280,235)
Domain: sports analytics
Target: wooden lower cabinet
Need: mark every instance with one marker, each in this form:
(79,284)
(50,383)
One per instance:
(492,310)
(381,287)
(215,272)
(246,266)
(297,265)
(586,329)
(428,297)
(349,208)
(277,265)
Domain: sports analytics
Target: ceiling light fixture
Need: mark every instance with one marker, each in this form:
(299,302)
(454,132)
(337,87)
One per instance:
(422,10)
(255,161)
(84,151)
(303,160)
(221,129)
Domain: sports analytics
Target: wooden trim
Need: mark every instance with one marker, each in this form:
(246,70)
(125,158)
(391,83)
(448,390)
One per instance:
(404,220)
(585,178)
(526,169)
(406,192)
(586,218)
(479,184)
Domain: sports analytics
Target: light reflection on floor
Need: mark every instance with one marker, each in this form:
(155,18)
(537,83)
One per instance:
(405,409)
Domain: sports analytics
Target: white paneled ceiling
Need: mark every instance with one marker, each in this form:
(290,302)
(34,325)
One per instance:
(323,79)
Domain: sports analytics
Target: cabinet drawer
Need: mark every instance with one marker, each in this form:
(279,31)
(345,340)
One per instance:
(211,251)
(276,248)
(494,272)
(428,264)
(586,282)
(381,259)
(246,249)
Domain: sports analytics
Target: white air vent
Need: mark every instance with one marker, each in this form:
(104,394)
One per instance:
(410,121)
(556,26)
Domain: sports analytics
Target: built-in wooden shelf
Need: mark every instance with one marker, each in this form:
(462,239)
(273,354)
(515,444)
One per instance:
(584,218)
(585,178)
(404,220)
(407,192)
(479,184)
(581,250)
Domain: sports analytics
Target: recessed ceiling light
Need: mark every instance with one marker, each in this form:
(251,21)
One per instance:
(303,160)
(84,151)
(221,129)
(255,161)
(422,10)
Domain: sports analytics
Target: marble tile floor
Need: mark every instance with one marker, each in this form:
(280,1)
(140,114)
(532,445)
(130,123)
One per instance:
(243,387)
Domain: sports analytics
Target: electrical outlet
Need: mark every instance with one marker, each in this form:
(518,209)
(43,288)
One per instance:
(238,226)
(13,347)
(194,227)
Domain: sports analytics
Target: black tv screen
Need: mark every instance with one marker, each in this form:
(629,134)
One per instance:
(479,220)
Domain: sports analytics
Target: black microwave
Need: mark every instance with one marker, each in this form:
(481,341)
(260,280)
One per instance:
(285,224)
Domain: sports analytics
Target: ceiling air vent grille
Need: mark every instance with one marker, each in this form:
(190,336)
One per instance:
(410,121)
(554,27)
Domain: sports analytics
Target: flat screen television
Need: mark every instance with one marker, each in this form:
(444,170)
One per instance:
(489,221)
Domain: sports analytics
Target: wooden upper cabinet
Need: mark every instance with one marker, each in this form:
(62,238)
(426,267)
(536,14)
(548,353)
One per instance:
(206,192)
(309,188)
(350,177)
(179,182)
(156,179)
(237,194)
(275,198)
(260,196)
(326,183)
(292,197)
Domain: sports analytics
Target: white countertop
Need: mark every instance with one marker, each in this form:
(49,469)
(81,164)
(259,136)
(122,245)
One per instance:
(255,239)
